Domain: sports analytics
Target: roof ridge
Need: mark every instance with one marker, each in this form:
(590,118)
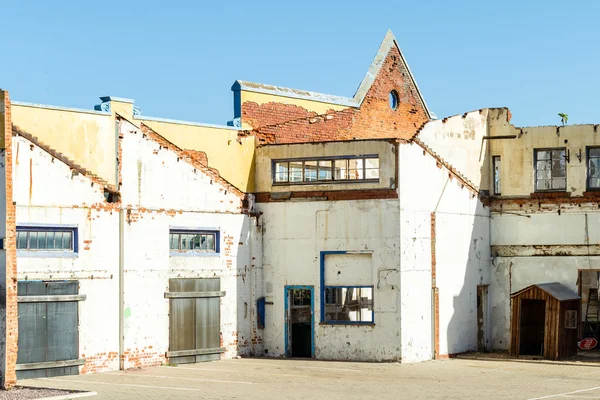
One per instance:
(62,158)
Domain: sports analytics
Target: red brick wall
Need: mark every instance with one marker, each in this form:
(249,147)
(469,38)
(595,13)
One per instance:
(284,123)
(10,378)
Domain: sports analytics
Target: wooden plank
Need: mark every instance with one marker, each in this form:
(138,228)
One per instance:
(50,364)
(51,298)
(192,295)
(195,352)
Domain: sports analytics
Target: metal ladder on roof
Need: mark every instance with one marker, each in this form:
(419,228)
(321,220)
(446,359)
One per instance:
(590,326)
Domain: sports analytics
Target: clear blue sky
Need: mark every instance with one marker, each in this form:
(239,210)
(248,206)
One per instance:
(178,59)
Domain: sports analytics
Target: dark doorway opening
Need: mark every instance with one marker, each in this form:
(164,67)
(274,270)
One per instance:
(300,322)
(482,291)
(533,319)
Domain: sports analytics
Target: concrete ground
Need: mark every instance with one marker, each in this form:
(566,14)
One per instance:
(298,379)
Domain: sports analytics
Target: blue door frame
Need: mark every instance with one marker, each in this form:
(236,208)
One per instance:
(287,288)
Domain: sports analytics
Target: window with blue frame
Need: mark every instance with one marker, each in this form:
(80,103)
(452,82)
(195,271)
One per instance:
(349,304)
(193,241)
(47,239)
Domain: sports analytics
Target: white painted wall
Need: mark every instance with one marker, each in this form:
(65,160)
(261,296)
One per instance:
(163,192)
(294,234)
(462,256)
(69,202)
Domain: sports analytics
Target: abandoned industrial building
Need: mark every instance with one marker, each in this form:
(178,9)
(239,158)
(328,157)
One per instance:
(310,225)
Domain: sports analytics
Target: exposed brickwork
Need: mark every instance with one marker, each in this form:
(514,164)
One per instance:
(283,123)
(10,245)
(434,288)
(273,113)
(329,195)
(143,358)
(101,362)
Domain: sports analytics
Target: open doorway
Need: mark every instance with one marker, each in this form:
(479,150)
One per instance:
(482,293)
(299,324)
(533,319)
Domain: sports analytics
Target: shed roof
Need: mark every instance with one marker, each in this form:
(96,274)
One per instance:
(554,289)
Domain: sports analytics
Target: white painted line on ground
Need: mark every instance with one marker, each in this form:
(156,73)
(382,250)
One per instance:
(70,396)
(246,372)
(581,397)
(181,378)
(126,384)
(333,369)
(294,364)
(565,394)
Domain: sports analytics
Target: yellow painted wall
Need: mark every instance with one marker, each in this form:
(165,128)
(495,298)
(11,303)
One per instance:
(310,105)
(385,150)
(88,139)
(517,171)
(233,159)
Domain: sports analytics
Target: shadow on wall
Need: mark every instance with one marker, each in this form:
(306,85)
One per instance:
(462,262)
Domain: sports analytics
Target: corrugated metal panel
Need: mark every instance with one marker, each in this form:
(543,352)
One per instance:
(48,331)
(194,323)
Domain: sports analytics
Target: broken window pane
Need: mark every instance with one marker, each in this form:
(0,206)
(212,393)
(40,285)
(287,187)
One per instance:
(281,171)
(550,169)
(198,241)
(593,168)
(496,166)
(310,171)
(349,304)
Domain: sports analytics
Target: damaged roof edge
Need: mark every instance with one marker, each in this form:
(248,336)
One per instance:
(388,42)
(293,93)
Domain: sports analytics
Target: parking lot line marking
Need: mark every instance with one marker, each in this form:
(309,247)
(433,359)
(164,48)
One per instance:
(292,363)
(181,378)
(333,369)
(565,394)
(126,384)
(248,372)
(122,384)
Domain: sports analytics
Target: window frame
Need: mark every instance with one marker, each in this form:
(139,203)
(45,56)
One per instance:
(535,161)
(324,319)
(587,169)
(48,253)
(195,252)
(318,181)
(496,189)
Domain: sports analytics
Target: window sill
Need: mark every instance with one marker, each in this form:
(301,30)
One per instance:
(192,254)
(46,254)
(346,323)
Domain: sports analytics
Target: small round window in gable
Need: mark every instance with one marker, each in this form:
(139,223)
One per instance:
(394,100)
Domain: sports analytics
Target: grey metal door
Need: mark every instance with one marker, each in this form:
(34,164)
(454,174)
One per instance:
(195,320)
(48,329)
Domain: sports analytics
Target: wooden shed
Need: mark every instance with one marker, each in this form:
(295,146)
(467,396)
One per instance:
(544,321)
